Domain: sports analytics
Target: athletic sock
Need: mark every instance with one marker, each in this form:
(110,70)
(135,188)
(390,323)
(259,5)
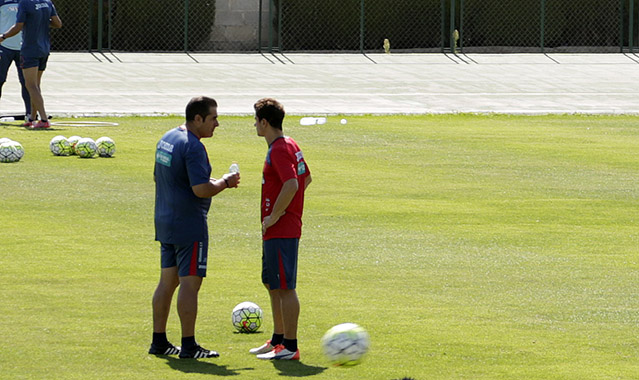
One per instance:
(277,339)
(159,339)
(290,344)
(188,343)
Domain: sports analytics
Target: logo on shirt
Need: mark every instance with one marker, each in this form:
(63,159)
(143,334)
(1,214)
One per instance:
(163,145)
(163,158)
(41,5)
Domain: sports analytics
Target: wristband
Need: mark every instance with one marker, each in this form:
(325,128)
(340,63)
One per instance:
(227,182)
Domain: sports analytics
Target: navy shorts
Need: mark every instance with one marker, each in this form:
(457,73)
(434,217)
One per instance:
(190,259)
(29,62)
(279,263)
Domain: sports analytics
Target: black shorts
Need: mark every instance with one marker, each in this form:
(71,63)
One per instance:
(190,259)
(279,263)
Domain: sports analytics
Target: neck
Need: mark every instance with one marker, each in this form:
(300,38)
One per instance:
(189,126)
(272,134)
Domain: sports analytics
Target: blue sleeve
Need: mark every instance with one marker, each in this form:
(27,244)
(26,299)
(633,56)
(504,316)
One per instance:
(197,165)
(53,11)
(22,11)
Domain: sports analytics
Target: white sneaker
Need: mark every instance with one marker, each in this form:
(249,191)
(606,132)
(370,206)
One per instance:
(280,353)
(263,349)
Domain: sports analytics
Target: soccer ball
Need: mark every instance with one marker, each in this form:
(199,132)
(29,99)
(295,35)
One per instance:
(72,141)
(5,140)
(106,147)
(19,149)
(59,146)
(9,152)
(86,148)
(345,344)
(247,317)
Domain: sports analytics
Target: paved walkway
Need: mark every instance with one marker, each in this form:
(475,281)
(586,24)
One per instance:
(316,84)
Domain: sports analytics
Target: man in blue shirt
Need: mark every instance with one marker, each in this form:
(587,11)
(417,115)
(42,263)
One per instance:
(34,19)
(183,191)
(10,49)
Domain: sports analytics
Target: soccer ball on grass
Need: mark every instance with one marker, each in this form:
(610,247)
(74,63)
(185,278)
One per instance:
(247,317)
(11,151)
(345,344)
(86,147)
(59,146)
(73,140)
(106,147)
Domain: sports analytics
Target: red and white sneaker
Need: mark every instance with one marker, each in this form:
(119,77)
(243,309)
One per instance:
(280,353)
(263,349)
(28,123)
(41,125)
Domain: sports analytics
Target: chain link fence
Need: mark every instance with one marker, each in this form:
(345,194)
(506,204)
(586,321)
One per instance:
(462,26)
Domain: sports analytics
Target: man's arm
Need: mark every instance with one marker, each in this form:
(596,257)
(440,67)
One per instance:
(55,22)
(15,29)
(286,195)
(215,186)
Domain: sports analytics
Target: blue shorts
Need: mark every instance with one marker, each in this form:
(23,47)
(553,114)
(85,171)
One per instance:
(29,62)
(190,259)
(279,263)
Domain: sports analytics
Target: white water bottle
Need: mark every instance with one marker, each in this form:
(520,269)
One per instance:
(234,168)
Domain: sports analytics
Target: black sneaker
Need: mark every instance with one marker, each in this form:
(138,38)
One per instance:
(198,353)
(164,350)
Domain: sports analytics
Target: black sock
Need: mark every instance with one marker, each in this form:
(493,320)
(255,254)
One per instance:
(188,343)
(277,339)
(159,339)
(290,344)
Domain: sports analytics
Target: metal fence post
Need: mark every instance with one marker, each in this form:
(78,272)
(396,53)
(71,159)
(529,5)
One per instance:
(542,27)
(270,26)
(631,22)
(452,26)
(361,26)
(186,25)
(110,25)
(443,26)
(279,26)
(100,24)
(461,26)
(259,28)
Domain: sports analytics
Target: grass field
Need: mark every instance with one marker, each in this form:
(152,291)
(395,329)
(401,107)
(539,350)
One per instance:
(469,247)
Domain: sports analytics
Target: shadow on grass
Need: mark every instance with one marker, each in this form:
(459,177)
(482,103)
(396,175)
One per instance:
(295,368)
(203,367)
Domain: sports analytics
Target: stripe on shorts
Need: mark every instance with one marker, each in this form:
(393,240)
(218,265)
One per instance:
(282,271)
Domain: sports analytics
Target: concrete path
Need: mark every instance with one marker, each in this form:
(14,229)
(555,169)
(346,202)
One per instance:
(319,84)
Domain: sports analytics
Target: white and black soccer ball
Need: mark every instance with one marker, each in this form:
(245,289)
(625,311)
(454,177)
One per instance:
(11,152)
(86,147)
(247,317)
(73,140)
(59,146)
(345,344)
(106,146)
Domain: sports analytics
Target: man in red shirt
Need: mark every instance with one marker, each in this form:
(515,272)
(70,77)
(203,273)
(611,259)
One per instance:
(285,178)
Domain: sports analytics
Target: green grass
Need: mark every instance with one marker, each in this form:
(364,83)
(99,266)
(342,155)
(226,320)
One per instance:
(470,247)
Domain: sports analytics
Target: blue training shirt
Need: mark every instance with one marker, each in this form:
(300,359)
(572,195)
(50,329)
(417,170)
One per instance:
(181,162)
(8,14)
(36,16)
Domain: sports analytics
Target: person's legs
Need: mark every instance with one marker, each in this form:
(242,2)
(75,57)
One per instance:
(290,309)
(162,298)
(187,303)
(32,79)
(25,93)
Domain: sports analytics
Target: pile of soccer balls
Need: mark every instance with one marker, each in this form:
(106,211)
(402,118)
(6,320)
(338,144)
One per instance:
(83,147)
(344,344)
(10,151)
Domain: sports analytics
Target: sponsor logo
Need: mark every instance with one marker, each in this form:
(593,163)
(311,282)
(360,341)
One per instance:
(163,145)
(299,155)
(41,5)
(163,158)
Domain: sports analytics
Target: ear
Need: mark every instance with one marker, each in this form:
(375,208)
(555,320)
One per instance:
(198,119)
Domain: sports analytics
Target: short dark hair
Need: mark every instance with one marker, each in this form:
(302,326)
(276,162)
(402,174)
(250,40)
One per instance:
(200,105)
(271,110)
